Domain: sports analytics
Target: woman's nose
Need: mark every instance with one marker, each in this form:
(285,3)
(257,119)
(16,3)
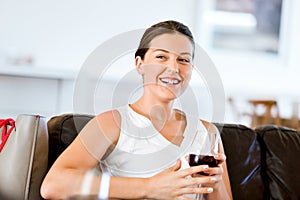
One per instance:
(173,65)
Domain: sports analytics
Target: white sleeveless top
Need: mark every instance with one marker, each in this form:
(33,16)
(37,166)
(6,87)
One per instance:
(141,151)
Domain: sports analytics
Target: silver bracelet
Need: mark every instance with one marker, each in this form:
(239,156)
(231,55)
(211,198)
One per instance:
(104,186)
(87,183)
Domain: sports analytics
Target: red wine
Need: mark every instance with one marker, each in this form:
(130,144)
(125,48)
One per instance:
(195,160)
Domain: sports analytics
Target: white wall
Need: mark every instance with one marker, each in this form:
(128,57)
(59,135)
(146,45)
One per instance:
(60,34)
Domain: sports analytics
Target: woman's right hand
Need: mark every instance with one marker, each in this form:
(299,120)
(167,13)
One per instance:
(173,183)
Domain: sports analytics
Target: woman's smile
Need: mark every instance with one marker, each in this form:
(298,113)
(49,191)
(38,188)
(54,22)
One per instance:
(170,81)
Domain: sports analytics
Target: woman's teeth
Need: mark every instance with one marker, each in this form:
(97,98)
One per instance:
(170,81)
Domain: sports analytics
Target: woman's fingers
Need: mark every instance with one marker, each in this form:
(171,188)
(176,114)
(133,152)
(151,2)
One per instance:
(193,170)
(201,180)
(215,170)
(177,166)
(197,190)
(220,156)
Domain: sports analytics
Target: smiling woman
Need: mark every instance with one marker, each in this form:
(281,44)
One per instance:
(143,145)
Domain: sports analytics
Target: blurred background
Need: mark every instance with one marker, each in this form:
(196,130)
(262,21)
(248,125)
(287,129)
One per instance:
(254,45)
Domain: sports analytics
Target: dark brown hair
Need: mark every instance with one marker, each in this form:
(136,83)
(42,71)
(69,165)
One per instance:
(159,29)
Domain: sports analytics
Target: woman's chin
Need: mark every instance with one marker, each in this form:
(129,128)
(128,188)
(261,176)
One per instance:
(169,96)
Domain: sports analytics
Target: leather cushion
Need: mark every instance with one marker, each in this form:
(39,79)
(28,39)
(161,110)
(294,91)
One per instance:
(243,161)
(62,131)
(281,147)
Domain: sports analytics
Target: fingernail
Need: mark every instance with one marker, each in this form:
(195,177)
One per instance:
(205,166)
(210,189)
(213,179)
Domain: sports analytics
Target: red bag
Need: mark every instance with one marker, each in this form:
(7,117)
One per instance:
(4,124)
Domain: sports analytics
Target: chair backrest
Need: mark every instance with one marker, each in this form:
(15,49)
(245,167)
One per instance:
(24,159)
(266,117)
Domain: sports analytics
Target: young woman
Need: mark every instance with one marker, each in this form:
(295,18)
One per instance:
(143,145)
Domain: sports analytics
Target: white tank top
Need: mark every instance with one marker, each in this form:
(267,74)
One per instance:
(141,151)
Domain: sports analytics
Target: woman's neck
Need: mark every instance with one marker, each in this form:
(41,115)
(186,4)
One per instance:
(154,110)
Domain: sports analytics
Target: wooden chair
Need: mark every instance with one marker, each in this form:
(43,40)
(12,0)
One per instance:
(267,117)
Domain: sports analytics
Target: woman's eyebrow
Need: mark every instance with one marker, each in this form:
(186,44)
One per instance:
(166,51)
(186,53)
(161,50)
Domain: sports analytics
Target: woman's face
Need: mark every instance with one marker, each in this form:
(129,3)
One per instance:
(167,65)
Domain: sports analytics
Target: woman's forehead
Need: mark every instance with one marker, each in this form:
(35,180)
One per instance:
(176,43)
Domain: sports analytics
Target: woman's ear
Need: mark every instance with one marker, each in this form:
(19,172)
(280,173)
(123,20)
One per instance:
(139,65)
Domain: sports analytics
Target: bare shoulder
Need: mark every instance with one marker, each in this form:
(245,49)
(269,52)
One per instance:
(210,126)
(111,117)
(109,123)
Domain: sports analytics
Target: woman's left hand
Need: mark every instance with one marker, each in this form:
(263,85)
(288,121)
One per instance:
(214,173)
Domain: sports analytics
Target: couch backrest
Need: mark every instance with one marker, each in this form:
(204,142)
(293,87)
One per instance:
(243,161)
(281,161)
(62,131)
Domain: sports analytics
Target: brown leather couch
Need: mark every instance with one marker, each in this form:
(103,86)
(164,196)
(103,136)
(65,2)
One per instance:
(262,163)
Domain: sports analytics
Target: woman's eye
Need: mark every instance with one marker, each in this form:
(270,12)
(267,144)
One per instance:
(160,57)
(184,60)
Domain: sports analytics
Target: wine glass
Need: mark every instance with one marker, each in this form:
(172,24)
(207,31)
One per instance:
(202,151)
